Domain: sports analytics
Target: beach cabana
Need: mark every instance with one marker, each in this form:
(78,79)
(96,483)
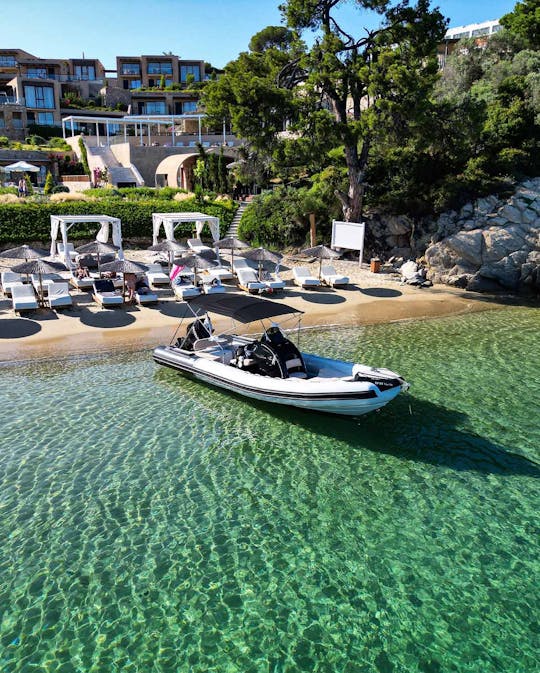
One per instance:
(171,221)
(61,224)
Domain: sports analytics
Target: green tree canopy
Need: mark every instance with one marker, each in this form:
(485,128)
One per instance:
(524,21)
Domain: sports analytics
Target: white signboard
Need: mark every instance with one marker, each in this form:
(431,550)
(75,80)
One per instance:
(349,235)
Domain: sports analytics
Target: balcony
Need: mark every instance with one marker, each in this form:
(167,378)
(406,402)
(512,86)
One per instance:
(11,100)
(64,78)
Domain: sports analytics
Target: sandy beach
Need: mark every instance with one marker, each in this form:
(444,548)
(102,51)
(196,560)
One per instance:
(369,298)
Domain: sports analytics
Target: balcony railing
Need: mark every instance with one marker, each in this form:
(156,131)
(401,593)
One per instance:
(11,100)
(64,78)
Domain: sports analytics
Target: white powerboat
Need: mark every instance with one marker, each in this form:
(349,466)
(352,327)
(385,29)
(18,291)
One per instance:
(271,368)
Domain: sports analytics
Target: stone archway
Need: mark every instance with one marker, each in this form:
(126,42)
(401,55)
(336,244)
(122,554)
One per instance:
(176,170)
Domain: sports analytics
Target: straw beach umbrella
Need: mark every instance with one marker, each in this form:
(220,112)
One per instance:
(98,248)
(194,261)
(231,243)
(321,252)
(24,252)
(39,266)
(171,248)
(124,266)
(262,255)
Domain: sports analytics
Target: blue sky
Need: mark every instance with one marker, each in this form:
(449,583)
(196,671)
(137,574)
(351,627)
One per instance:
(212,30)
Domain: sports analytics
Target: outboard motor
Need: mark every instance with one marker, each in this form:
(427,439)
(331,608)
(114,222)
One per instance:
(199,329)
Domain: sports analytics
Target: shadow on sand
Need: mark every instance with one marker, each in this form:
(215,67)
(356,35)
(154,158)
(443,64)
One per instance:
(16,328)
(380,292)
(106,319)
(322,296)
(409,429)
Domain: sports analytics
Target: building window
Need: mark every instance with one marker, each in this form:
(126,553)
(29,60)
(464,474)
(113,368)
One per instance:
(17,120)
(154,108)
(159,68)
(135,84)
(85,72)
(36,73)
(39,96)
(131,69)
(480,31)
(8,62)
(189,106)
(45,118)
(2,122)
(186,70)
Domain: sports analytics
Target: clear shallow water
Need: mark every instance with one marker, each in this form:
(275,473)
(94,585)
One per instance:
(149,523)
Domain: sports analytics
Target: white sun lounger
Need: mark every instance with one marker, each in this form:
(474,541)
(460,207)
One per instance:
(273,282)
(220,272)
(210,287)
(247,280)
(105,294)
(187,291)
(331,278)
(198,246)
(146,298)
(82,283)
(303,277)
(23,298)
(58,295)
(9,280)
(46,280)
(156,276)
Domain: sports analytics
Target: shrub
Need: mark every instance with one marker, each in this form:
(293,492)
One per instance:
(84,156)
(184,196)
(8,198)
(23,221)
(103,192)
(49,183)
(59,144)
(29,185)
(4,141)
(58,189)
(8,190)
(69,196)
(278,219)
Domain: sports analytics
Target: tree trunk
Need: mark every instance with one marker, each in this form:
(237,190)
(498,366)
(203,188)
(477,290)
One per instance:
(353,201)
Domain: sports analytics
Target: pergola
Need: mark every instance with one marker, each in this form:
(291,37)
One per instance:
(140,125)
(171,221)
(63,223)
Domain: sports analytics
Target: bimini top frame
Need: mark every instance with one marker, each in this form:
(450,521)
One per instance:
(240,308)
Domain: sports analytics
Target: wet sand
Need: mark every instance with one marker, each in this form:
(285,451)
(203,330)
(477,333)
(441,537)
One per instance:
(88,328)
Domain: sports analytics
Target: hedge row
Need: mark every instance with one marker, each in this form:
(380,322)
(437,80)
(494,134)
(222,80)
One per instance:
(25,222)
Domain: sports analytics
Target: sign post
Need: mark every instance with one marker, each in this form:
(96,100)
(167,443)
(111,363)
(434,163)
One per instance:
(349,235)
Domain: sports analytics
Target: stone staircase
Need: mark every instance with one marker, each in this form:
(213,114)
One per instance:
(233,229)
(103,158)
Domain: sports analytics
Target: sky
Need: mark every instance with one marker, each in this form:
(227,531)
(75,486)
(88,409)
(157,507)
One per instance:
(210,30)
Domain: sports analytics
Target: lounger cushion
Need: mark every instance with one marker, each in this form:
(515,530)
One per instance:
(23,298)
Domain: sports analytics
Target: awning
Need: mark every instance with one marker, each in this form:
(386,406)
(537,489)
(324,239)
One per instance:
(240,307)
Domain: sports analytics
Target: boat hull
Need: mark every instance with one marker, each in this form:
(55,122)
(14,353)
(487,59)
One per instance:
(347,399)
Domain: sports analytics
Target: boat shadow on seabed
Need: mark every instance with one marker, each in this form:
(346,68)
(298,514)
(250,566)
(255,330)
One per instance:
(409,429)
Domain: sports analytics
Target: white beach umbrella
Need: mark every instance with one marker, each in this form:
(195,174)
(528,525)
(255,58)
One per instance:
(22,167)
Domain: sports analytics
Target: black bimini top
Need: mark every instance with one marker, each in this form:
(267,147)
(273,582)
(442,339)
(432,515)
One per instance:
(240,307)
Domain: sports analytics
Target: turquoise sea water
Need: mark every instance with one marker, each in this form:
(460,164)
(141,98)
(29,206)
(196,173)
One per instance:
(150,523)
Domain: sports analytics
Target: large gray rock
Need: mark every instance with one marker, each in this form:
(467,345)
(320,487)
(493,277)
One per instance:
(497,245)
(466,245)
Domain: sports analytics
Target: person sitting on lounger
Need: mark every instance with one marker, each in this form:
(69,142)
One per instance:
(81,272)
(141,286)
